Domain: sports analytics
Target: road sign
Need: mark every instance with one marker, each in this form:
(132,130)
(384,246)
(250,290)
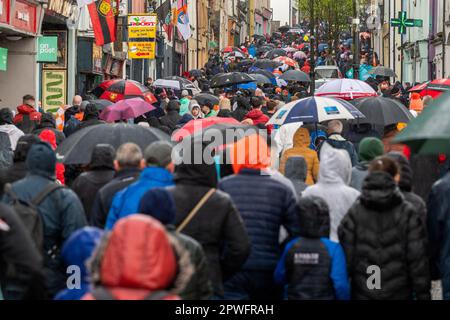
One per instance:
(47,49)
(142,36)
(402,22)
(3,59)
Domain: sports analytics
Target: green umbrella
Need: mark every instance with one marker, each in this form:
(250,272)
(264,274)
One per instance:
(429,133)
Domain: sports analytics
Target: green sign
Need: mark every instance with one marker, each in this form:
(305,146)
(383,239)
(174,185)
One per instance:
(403,22)
(3,59)
(47,49)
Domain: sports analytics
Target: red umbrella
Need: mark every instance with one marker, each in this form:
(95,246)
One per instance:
(194,126)
(120,89)
(231,49)
(126,109)
(432,88)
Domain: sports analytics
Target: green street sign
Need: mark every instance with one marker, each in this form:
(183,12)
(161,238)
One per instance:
(47,49)
(403,22)
(3,59)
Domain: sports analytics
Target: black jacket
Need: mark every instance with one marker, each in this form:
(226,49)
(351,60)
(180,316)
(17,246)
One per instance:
(382,229)
(12,174)
(243,107)
(105,195)
(48,123)
(217,226)
(171,119)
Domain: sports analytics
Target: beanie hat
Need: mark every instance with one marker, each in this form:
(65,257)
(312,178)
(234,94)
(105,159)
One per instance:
(158,153)
(184,93)
(48,136)
(41,160)
(159,204)
(370,148)
(6,116)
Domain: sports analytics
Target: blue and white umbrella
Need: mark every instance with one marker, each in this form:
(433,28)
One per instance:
(315,109)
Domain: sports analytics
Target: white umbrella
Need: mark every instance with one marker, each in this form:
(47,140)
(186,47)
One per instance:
(300,55)
(171,84)
(347,89)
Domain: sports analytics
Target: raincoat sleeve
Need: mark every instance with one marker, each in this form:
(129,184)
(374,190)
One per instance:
(346,233)
(290,221)
(73,216)
(98,211)
(114,212)
(280,271)
(338,273)
(437,206)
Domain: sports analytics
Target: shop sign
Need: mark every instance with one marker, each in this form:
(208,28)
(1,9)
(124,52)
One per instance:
(24,17)
(3,59)
(61,62)
(97,59)
(142,36)
(4,11)
(54,92)
(47,49)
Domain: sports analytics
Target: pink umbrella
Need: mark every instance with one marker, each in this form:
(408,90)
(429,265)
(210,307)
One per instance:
(126,109)
(300,55)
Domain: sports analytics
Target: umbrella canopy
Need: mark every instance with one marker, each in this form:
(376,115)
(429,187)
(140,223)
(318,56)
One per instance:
(116,90)
(236,54)
(78,147)
(126,109)
(176,83)
(266,73)
(260,79)
(429,133)
(229,79)
(266,64)
(432,88)
(231,49)
(284,28)
(383,111)
(275,53)
(290,49)
(100,104)
(295,75)
(170,84)
(347,89)
(383,72)
(195,73)
(199,125)
(315,109)
(264,49)
(300,55)
(246,63)
(288,61)
(203,97)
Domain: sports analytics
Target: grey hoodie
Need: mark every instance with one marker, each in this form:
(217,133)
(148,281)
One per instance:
(334,178)
(295,170)
(13,132)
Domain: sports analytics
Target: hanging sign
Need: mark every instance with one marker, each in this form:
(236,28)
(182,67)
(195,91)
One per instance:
(142,36)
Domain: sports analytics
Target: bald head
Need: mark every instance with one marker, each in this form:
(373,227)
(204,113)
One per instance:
(76,101)
(129,155)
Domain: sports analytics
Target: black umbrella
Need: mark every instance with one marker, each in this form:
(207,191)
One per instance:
(275,54)
(100,104)
(382,111)
(196,73)
(267,64)
(229,79)
(383,72)
(78,147)
(284,28)
(266,73)
(203,97)
(245,63)
(260,79)
(295,75)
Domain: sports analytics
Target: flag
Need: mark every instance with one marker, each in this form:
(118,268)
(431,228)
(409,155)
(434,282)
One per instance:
(183,22)
(349,74)
(82,3)
(103,21)
(174,14)
(163,12)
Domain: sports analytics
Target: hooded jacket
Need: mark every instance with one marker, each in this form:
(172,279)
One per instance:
(122,264)
(382,229)
(101,171)
(50,137)
(76,251)
(242,108)
(312,266)
(13,133)
(6,153)
(332,185)
(338,142)
(360,131)
(416,102)
(27,118)
(301,148)
(48,123)
(296,171)
(257,116)
(61,212)
(90,117)
(217,225)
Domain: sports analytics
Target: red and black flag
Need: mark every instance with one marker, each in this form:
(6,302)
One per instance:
(103,17)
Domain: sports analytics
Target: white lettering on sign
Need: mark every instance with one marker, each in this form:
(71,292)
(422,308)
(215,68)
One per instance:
(23,16)
(45,48)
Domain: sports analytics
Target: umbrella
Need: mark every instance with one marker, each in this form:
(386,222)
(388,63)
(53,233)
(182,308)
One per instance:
(203,97)
(264,49)
(295,75)
(196,73)
(231,49)
(170,84)
(290,49)
(383,72)
(266,64)
(284,28)
(245,63)
(100,104)
(198,125)
(126,109)
(260,79)
(383,111)
(315,109)
(78,147)
(432,88)
(288,61)
(266,73)
(275,53)
(176,83)
(116,90)
(347,89)
(236,54)
(300,55)
(229,79)
(429,133)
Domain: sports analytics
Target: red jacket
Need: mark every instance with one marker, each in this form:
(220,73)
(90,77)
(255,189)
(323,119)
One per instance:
(27,110)
(50,137)
(258,117)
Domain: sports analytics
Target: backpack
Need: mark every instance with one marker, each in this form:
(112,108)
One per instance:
(29,214)
(101,293)
(27,125)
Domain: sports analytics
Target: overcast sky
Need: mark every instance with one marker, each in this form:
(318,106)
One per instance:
(280,10)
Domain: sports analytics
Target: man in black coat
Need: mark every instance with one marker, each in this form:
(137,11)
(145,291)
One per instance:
(128,164)
(172,116)
(49,123)
(91,117)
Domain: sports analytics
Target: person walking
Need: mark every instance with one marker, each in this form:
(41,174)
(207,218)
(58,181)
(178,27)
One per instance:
(184,102)
(369,149)
(296,171)
(336,140)
(27,116)
(7,126)
(49,123)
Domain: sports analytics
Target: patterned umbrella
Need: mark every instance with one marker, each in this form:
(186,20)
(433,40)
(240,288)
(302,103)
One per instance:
(116,90)
(347,89)
(288,61)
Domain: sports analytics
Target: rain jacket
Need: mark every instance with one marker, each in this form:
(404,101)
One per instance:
(382,229)
(75,252)
(13,132)
(284,136)
(123,266)
(49,123)
(6,153)
(50,137)
(301,148)
(338,142)
(312,266)
(184,106)
(126,202)
(27,118)
(257,116)
(295,170)
(61,212)
(416,102)
(332,186)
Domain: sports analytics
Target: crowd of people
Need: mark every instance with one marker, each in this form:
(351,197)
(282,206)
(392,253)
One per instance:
(304,216)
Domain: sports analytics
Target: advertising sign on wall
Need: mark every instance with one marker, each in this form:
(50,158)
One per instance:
(54,89)
(142,36)
(47,49)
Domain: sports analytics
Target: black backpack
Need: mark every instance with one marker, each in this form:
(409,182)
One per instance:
(29,214)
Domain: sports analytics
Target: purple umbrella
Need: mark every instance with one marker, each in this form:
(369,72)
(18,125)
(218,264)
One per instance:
(126,109)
